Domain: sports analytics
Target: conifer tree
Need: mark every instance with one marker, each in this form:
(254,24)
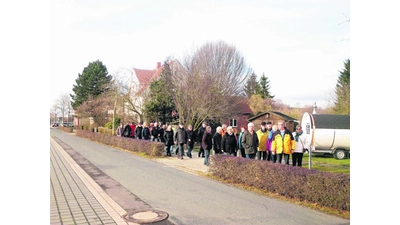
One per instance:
(93,81)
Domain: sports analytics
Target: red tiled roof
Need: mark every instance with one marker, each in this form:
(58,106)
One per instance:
(145,77)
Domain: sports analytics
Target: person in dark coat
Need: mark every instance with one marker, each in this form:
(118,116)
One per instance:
(191,138)
(229,143)
(138,131)
(200,133)
(146,132)
(240,147)
(155,132)
(127,130)
(250,141)
(217,139)
(161,132)
(169,139)
(206,143)
(180,139)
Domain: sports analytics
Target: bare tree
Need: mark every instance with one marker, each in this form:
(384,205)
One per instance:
(208,82)
(63,104)
(116,93)
(132,95)
(98,108)
(54,113)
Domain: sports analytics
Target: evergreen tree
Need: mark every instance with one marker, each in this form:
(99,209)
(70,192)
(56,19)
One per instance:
(93,81)
(342,91)
(160,104)
(252,86)
(264,87)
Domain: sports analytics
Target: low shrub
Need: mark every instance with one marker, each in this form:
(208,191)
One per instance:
(104,130)
(67,129)
(154,149)
(323,188)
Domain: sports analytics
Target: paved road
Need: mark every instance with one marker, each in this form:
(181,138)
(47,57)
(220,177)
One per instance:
(186,197)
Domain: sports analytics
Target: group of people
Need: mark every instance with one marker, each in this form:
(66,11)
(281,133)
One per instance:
(270,142)
(154,132)
(274,143)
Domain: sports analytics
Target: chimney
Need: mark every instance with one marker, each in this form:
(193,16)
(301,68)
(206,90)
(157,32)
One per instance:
(158,65)
(314,108)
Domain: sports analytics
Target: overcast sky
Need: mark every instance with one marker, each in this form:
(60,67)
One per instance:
(299,45)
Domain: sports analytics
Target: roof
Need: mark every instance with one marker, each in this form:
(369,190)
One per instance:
(242,106)
(145,77)
(331,121)
(281,115)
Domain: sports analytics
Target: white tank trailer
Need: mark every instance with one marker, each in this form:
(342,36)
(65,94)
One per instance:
(327,134)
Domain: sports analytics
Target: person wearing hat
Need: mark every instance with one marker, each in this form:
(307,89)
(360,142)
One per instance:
(262,135)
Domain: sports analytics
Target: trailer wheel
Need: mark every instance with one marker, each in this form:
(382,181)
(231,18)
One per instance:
(339,154)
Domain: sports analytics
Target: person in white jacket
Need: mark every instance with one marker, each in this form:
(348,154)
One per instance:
(301,146)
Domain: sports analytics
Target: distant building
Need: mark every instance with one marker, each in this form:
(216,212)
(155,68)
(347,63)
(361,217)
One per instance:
(274,117)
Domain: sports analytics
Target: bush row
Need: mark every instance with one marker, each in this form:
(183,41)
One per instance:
(150,148)
(322,188)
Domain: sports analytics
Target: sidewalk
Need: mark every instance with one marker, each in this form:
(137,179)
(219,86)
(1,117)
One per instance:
(75,198)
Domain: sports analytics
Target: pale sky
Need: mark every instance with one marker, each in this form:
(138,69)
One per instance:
(299,45)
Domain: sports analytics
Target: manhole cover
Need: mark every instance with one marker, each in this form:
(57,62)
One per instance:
(144,216)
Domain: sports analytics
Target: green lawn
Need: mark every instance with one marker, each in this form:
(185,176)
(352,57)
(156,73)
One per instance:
(327,163)
(324,163)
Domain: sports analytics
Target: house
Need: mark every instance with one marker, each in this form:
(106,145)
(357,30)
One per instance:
(274,117)
(139,84)
(241,119)
(141,78)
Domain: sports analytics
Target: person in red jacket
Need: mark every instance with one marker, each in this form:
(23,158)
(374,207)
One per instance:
(133,127)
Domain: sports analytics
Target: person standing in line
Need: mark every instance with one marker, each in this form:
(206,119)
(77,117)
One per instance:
(250,141)
(133,127)
(271,156)
(138,131)
(155,132)
(240,147)
(282,143)
(206,143)
(146,132)
(229,143)
(269,129)
(161,133)
(169,139)
(119,130)
(191,138)
(301,146)
(224,129)
(127,130)
(180,139)
(217,138)
(262,135)
(200,133)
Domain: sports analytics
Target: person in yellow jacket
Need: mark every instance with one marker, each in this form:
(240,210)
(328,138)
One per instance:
(262,135)
(283,143)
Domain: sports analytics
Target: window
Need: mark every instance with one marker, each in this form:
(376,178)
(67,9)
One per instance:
(233,123)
